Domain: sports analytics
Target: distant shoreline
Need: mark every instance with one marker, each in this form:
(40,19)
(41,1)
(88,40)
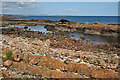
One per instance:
(80,19)
(46,15)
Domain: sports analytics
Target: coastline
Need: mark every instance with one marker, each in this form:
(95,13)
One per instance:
(112,30)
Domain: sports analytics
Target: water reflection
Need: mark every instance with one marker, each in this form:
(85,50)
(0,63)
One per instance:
(97,39)
(34,28)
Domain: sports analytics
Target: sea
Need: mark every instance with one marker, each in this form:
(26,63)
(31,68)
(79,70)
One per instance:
(81,19)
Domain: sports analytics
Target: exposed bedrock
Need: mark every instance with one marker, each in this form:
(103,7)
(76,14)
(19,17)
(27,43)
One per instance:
(67,26)
(84,30)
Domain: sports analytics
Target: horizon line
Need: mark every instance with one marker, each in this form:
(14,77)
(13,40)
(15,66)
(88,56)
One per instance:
(55,15)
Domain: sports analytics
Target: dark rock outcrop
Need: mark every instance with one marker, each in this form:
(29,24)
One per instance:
(63,21)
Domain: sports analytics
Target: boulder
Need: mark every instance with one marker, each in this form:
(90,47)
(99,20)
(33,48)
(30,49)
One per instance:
(26,27)
(63,21)
(117,45)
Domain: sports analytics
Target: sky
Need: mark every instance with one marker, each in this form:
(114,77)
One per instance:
(53,8)
(60,0)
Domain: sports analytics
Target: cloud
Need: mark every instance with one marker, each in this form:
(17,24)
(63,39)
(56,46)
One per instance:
(14,5)
(20,7)
(68,9)
(19,0)
(20,3)
(6,8)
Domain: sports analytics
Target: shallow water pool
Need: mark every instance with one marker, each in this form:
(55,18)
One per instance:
(92,38)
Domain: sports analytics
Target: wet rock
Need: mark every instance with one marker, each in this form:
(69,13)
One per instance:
(63,21)
(117,45)
(83,38)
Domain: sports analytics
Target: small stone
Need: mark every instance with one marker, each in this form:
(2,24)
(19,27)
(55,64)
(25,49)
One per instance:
(83,38)
(17,56)
(76,39)
(1,78)
(34,59)
(58,70)
(7,63)
(3,68)
(77,60)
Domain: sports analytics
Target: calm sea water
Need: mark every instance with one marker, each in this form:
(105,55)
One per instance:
(81,19)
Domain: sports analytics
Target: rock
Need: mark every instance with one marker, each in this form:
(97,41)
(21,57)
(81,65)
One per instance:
(84,69)
(17,56)
(63,21)
(83,38)
(103,73)
(96,22)
(76,39)
(33,70)
(34,59)
(1,78)
(26,58)
(26,27)
(8,63)
(20,66)
(117,45)
(88,40)
(4,53)
(76,60)
(58,70)
(86,23)
(3,68)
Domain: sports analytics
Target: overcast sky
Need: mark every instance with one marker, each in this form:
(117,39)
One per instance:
(37,7)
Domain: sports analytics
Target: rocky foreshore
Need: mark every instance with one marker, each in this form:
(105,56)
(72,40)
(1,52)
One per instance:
(33,54)
(67,26)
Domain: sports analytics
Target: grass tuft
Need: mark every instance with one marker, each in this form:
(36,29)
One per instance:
(4,76)
(8,56)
